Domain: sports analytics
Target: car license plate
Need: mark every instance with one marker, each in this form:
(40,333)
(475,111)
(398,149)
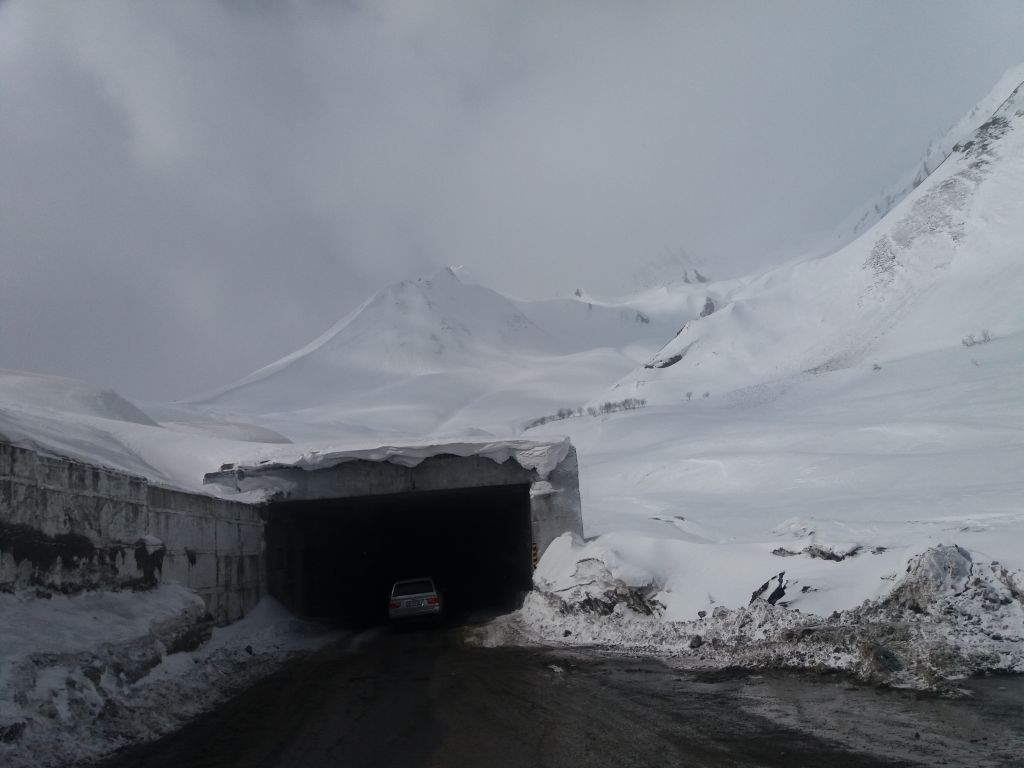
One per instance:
(414,603)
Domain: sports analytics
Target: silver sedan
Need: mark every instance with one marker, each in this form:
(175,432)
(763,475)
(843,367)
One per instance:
(414,598)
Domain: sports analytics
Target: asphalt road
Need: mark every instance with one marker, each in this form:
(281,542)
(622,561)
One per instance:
(425,699)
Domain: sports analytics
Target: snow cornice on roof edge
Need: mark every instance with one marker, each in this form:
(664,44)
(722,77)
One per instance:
(540,456)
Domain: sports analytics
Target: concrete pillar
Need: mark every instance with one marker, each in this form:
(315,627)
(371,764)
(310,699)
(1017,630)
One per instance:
(555,506)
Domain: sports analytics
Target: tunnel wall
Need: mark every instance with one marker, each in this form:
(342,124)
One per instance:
(67,525)
(555,506)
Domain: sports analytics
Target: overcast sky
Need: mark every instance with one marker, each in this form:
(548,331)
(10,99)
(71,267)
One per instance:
(190,190)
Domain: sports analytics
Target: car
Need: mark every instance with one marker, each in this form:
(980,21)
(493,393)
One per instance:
(414,599)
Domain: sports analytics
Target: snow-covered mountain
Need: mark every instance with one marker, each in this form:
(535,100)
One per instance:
(945,263)
(863,218)
(440,354)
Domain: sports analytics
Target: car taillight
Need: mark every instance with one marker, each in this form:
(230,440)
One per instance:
(394,604)
(433,600)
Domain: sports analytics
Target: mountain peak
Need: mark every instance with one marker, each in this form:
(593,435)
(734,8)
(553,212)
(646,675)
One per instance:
(418,327)
(444,274)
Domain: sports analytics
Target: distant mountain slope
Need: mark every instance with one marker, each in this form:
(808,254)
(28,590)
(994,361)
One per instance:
(946,262)
(416,327)
(438,353)
(56,394)
(442,354)
(866,216)
(72,418)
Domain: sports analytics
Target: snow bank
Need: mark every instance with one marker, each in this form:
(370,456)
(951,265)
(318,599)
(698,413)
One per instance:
(81,676)
(946,618)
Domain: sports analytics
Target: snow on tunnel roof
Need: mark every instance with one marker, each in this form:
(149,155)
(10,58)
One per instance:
(541,456)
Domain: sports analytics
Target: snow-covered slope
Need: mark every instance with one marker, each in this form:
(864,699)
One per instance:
(944,264)
(414,328)
(926,450)
(56,394)
(862,409)
(830,489)
(71,418)
(866,216)
(437,354)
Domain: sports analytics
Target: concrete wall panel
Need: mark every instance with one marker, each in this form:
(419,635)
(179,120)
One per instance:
(555,506)
(69,525)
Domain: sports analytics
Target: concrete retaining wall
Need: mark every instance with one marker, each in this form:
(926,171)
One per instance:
(66,525)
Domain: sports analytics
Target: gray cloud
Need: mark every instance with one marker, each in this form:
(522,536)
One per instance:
(189,190)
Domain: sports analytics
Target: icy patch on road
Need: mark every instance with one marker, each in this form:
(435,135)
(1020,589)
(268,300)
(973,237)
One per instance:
(82,676)
(947,617)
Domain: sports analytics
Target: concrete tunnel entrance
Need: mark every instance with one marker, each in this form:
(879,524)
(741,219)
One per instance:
(342,526)
(340,557)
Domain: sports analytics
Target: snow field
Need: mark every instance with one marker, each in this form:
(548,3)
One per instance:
(841,481)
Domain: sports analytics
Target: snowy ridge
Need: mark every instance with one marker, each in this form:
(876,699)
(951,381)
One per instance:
(56,394)
(65,417)
(439,356)
(415,327)
(862,219)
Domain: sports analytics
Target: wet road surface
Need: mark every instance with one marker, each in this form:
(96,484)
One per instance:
(425,699)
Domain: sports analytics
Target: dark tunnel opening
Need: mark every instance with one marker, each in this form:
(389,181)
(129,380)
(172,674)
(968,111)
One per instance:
(339,557)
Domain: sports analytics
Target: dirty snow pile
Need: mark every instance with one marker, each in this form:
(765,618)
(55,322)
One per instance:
(81,676)
(947,617)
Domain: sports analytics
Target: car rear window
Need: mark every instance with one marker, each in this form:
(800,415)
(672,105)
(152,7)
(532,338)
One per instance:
(413,587)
